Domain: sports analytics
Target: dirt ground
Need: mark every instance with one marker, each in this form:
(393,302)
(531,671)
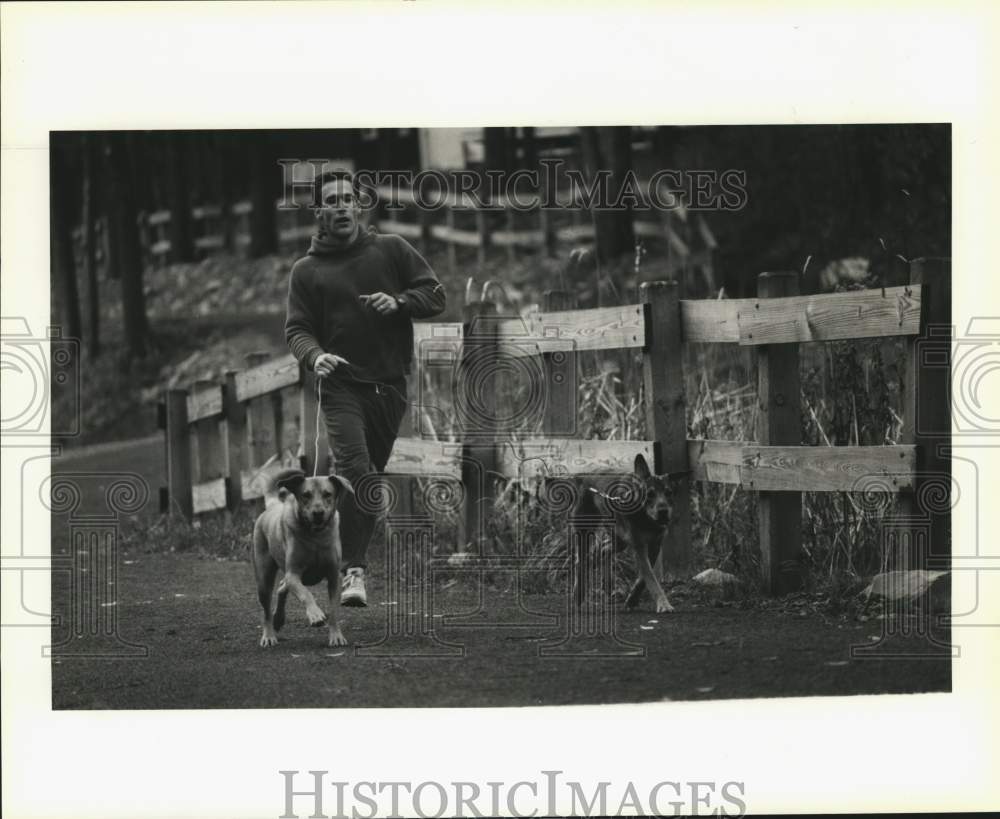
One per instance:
(198,622)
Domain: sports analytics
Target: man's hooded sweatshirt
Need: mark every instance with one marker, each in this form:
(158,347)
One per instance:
(326,314)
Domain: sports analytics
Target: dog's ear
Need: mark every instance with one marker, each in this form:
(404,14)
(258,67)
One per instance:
(641,468)
(290,479)
(342,482)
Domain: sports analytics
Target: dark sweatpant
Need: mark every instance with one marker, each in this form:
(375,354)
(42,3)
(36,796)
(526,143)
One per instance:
(362,421)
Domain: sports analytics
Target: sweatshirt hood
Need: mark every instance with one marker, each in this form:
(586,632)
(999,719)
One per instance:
(321,245)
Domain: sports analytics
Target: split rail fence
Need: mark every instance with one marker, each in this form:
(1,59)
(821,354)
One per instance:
(218,433)
(451,220)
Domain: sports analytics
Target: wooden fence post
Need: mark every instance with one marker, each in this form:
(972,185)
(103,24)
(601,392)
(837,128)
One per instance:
(278,422)
(241,230)
(208,229)
(179,454)
(144,241)
(779,421)
(476,397)
(452,252)
(483,227)
(546,196)
(548,231)
(560,403)
(510,226)
(161,423)
(927,420)
(208,440)
(666,422)
(161,247)
(260,411)
(425,220)
(237,461)
(405,484)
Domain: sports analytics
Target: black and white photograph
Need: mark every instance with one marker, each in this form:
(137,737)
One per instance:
(544,415)
(340,434)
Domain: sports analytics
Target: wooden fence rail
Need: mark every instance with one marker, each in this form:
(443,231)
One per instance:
(217,435)
(520,226)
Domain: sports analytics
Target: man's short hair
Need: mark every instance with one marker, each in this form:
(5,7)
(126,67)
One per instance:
(326,177)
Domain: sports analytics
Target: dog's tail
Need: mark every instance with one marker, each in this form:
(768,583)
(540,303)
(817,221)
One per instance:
(276,487)
(265,479)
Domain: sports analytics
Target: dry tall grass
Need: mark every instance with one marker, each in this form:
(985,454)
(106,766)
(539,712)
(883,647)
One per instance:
(850,395)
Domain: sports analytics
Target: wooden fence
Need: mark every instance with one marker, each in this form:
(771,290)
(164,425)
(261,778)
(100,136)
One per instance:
(452,221)
(526,225)
(216,434)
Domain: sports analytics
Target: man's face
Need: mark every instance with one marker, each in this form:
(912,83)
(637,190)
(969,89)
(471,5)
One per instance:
(339,212)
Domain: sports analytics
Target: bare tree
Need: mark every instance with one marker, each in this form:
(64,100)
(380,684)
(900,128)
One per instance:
(89,214)
(609,149)
(264,190)
(125,247)
(498,149)
(181,243)
(61,234)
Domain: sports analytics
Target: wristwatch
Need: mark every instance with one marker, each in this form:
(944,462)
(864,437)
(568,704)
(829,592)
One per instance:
(402,303)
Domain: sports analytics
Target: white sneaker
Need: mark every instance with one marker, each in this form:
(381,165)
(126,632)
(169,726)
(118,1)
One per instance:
(352,592)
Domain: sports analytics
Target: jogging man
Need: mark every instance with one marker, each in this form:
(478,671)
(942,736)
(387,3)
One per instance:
(351,301)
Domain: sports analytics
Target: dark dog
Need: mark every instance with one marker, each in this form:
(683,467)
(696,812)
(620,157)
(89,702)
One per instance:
(641,512)
(299,533)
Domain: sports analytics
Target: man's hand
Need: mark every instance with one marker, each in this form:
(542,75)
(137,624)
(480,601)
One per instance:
(326,363)
(382,303)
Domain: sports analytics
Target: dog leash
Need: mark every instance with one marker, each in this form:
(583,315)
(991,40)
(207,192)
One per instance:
(605,495)
(319,409)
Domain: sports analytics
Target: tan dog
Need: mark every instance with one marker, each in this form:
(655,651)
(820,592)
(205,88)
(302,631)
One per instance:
(299,533)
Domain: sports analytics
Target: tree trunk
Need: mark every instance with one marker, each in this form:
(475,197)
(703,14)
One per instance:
(90,249)
(126,248)
(61,236)
(529,158)
(609,149)
(221,147)
(264,173)
(497,149)
(179,202)
(140,159)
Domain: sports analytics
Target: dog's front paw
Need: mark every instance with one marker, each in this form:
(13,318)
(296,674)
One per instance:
(337,639)
(316,616)
(663,606)
(268,638)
